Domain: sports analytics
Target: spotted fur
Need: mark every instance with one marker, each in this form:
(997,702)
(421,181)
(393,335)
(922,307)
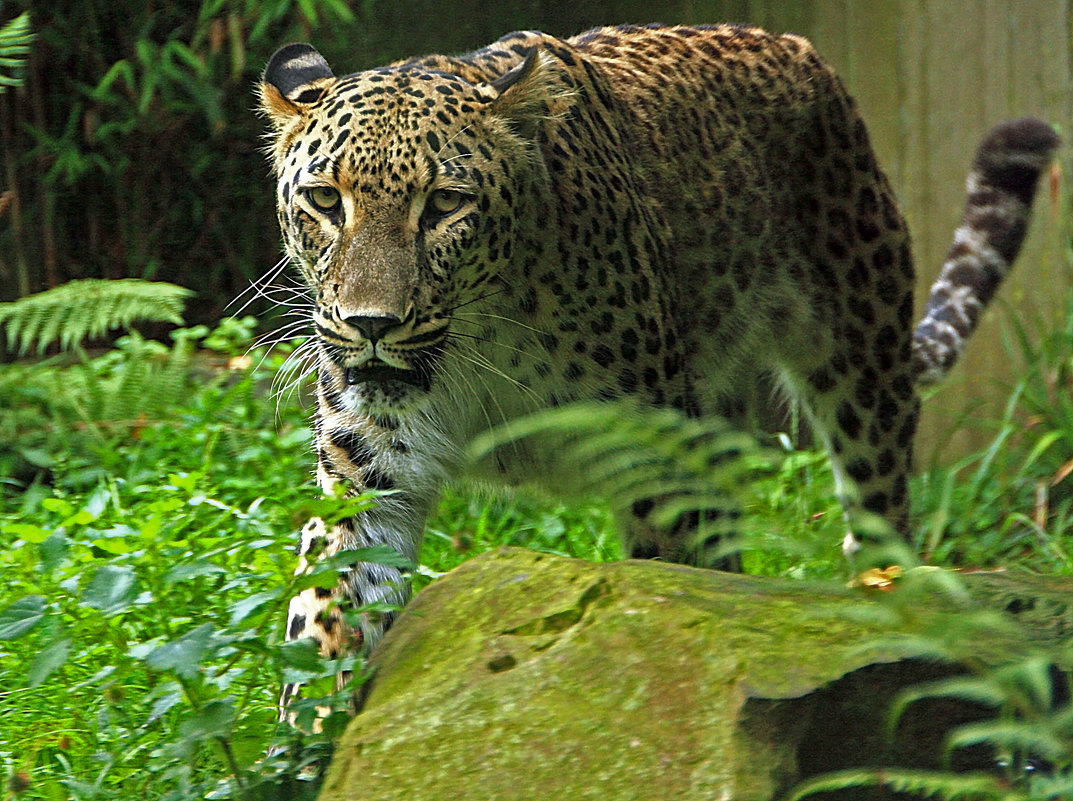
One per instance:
(659,213)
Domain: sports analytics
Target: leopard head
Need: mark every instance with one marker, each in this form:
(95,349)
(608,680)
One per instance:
(400,193)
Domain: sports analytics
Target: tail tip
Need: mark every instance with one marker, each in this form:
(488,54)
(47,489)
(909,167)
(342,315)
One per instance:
(1024,138)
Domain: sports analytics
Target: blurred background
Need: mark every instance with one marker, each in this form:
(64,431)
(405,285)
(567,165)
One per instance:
(132,148)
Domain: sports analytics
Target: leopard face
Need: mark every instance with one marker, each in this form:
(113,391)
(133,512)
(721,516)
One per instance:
(400,194)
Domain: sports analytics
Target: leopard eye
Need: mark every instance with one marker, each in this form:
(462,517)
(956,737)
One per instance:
(445,201)
(325,198)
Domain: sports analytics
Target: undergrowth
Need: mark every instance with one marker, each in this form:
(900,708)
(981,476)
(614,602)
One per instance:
(149,494)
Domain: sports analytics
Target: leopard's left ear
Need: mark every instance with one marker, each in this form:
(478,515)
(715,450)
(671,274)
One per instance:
(296,77)
(529,93)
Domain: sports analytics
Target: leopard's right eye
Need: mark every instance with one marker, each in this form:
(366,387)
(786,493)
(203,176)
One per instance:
(325,198)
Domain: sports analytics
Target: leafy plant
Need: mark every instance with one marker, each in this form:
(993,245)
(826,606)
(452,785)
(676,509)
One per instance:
(131,145)
(87,309)
(121,580)
(15,40)
(681,466)
(75,414)
(1045,396)
(147,574)
(146,582)
(1020,487)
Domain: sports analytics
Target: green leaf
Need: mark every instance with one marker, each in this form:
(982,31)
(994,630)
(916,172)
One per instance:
(21,616)
(188,570)
(116,546)
(53,551)
(1033,738)
(212,720)
(919,782)
(340,9)
(48,661)
(325,571)
(244,607)
(121,70)
(376,554)
(184,654)
(303,655)
(97,503)
(28,532)
(111,589)
(173,695)
(60,506)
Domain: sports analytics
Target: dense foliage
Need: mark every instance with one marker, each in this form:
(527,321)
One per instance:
(131,151)
(149,499)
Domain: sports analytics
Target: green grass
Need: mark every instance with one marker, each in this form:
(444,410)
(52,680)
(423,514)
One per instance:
(147,558)
(153,560)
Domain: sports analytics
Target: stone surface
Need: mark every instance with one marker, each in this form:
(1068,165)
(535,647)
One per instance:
(527,676)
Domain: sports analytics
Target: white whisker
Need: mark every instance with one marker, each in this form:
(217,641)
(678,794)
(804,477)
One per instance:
(499,317)
(295,370)
(458,156)
(493,343)
(258,287)
(479,360)
(456,135)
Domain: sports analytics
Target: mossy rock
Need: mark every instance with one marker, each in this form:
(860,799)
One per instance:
(527,676)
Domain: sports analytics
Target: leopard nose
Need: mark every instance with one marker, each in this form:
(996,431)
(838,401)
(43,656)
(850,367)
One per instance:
(372,328)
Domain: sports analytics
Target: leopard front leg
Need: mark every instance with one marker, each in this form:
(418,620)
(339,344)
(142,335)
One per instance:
(319,612)
(363,453)
(315,612)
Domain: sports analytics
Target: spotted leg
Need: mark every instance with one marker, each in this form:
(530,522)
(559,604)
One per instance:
(363,453)
(317,612)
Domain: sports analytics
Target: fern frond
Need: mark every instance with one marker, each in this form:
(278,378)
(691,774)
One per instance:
(1036,738)
(1023,688)
(15,39)
(88,308)
(979,690)
(926,784)
(147,384)
(630,453)
(172,382)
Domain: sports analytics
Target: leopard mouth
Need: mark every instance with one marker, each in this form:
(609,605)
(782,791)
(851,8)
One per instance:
(376,372)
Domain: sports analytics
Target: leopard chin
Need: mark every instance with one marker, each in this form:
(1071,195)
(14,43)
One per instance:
(376,388)
(377,373)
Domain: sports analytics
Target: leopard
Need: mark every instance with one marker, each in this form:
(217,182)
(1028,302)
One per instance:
(658,214)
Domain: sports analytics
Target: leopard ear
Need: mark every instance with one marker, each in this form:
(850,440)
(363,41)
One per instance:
(529,93)
(296,77)
(518,74)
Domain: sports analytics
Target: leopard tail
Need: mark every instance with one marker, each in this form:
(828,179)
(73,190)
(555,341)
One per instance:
(1000,189)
